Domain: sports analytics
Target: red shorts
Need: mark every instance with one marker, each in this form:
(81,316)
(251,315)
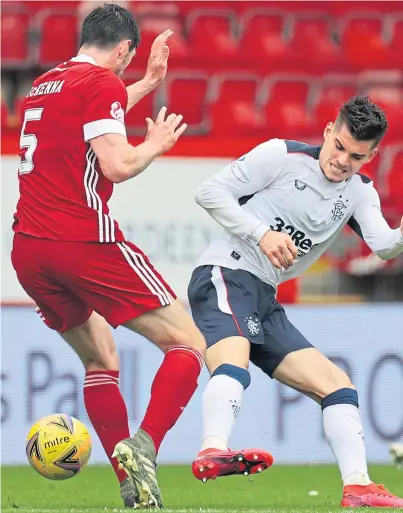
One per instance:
(69,280)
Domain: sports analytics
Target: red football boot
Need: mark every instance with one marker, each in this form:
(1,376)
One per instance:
(372,495)
(212,463)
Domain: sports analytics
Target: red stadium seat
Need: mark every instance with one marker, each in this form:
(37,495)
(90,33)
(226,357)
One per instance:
(58,32)
(287,107)
(212,37)
(14,37)
(234,110)
(39,5)
(289,291)
(363,42)
(187,95)
(395,178)
(240,119)
(187,7)
(341,9)
(145,108)
(262,41)
(162,8)
(236,87)
(313,36)
(396,44)
(150,28)
(390,99)
(328,100)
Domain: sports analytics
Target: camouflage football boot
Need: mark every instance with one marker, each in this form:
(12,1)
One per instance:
(128,494)
(137,456)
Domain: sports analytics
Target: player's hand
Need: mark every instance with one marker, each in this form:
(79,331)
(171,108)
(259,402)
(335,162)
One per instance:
(279,249)
(165,132)
(158,60)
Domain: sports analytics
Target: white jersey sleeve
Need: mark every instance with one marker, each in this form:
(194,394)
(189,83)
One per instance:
(369,223)
(251,173)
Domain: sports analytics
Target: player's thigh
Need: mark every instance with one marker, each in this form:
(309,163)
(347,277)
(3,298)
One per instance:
(86,331)
(167,326)
(119,282)
(114,279)
(94,344)
(310,372)
(224,305)
(59,307)
(281,338)
(291,359)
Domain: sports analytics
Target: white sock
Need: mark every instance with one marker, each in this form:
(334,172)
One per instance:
(221,404)
(344,434)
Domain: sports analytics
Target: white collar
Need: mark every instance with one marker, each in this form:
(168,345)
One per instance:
(82,57)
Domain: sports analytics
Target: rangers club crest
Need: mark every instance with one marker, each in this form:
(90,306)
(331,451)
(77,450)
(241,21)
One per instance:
(253,326)
(339,210)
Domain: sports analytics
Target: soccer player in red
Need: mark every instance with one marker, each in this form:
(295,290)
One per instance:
(70,255)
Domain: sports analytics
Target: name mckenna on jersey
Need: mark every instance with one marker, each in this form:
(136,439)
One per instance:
(53,86)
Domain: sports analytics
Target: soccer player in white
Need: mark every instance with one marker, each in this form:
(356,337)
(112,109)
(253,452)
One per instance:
(281,207)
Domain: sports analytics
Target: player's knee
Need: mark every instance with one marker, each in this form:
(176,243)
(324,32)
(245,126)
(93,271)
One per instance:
(345,395)
(232,371)
(334,382)
(191,338)
(105,360)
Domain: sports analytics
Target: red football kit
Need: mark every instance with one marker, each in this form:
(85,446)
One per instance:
(69,254)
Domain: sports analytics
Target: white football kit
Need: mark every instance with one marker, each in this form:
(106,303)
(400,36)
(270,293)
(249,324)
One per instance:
(280,186)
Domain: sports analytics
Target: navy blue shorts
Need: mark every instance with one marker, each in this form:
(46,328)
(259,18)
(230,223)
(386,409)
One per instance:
(227,303)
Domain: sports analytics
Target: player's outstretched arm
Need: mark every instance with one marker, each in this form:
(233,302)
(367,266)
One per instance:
(220,194)
(369,223)
(156,70)
(120,161)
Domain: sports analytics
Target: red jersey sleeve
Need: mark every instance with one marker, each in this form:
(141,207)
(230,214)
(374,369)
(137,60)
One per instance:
(105,106)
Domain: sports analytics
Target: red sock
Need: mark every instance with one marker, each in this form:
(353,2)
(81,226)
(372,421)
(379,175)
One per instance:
(172,388)
(107,411)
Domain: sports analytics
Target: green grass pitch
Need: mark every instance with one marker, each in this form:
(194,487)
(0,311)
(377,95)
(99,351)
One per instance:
(279,489)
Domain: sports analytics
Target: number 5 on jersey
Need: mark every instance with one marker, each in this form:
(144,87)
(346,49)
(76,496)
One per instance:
(28,141)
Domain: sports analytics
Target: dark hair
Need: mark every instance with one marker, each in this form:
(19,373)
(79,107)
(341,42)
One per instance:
(364,119)
(108,25)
